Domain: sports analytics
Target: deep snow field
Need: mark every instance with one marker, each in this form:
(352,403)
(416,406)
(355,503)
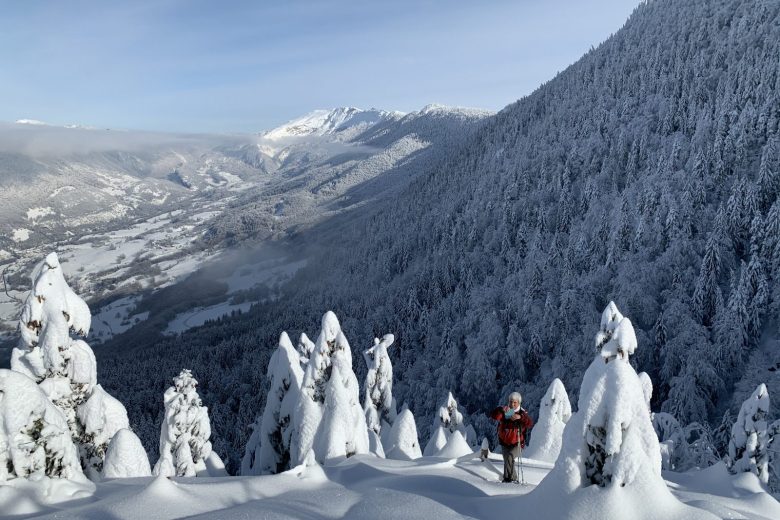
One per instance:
(364,486)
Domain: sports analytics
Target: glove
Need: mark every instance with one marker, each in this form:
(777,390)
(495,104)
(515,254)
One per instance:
(509,414)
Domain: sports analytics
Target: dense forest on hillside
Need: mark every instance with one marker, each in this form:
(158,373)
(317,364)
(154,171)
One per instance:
(647,173)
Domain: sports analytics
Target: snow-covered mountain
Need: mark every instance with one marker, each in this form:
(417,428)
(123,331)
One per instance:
(36,122)
(338,121)
(33,122)
(137,211)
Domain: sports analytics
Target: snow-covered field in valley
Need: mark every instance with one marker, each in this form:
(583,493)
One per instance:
(364,486)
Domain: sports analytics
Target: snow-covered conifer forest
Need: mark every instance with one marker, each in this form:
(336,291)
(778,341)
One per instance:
(609,246)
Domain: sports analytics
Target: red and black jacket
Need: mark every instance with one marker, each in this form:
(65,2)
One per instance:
(511,432)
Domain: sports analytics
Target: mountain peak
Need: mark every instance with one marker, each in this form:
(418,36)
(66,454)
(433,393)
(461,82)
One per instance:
(33,122)
(329,122)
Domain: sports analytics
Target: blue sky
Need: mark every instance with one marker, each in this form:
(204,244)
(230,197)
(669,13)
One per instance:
(241,66)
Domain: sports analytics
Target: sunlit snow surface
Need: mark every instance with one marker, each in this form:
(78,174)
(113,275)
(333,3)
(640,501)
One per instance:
(367,487)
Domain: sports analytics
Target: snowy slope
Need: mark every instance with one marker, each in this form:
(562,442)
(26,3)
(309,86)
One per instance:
(367,487)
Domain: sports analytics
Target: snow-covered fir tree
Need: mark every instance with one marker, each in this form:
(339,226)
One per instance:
(343,431)
(378,402)
(268,449)
(448,420)
(64,367)
(35,440)
(457,446)
(614,409)
(609,444)
(547,434)
(329,421)
(185,448)
(610,440)
(330,341)
(125,457)
(748,447)
(450,416)
(616,338)
(102,417)
(671,439)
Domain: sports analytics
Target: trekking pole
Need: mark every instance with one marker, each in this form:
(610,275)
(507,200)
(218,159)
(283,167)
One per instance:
(520,460)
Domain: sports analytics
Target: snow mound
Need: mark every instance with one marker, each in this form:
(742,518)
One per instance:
(456,447)
(436,443)
(126,457)
(402,441)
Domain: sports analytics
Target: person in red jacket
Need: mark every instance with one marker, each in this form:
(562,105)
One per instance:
(513,424)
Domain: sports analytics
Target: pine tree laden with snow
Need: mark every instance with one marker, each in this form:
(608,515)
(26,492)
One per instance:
(378,402)
(448,420)
(65,367)
(615,412)
(35,439)
(610,440)
(329,421)
(671,439)
(547,434)
(449,416)
(185,432)
(343,431)
(51,311)
(683,448)
(616,338)
(268,449)
(102,417)
(748,446)
(700,449)
(330,340)
(610,459)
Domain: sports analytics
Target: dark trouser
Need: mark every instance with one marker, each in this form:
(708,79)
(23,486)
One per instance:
(510,454)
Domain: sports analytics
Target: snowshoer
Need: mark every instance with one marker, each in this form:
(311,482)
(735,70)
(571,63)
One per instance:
(513,424)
